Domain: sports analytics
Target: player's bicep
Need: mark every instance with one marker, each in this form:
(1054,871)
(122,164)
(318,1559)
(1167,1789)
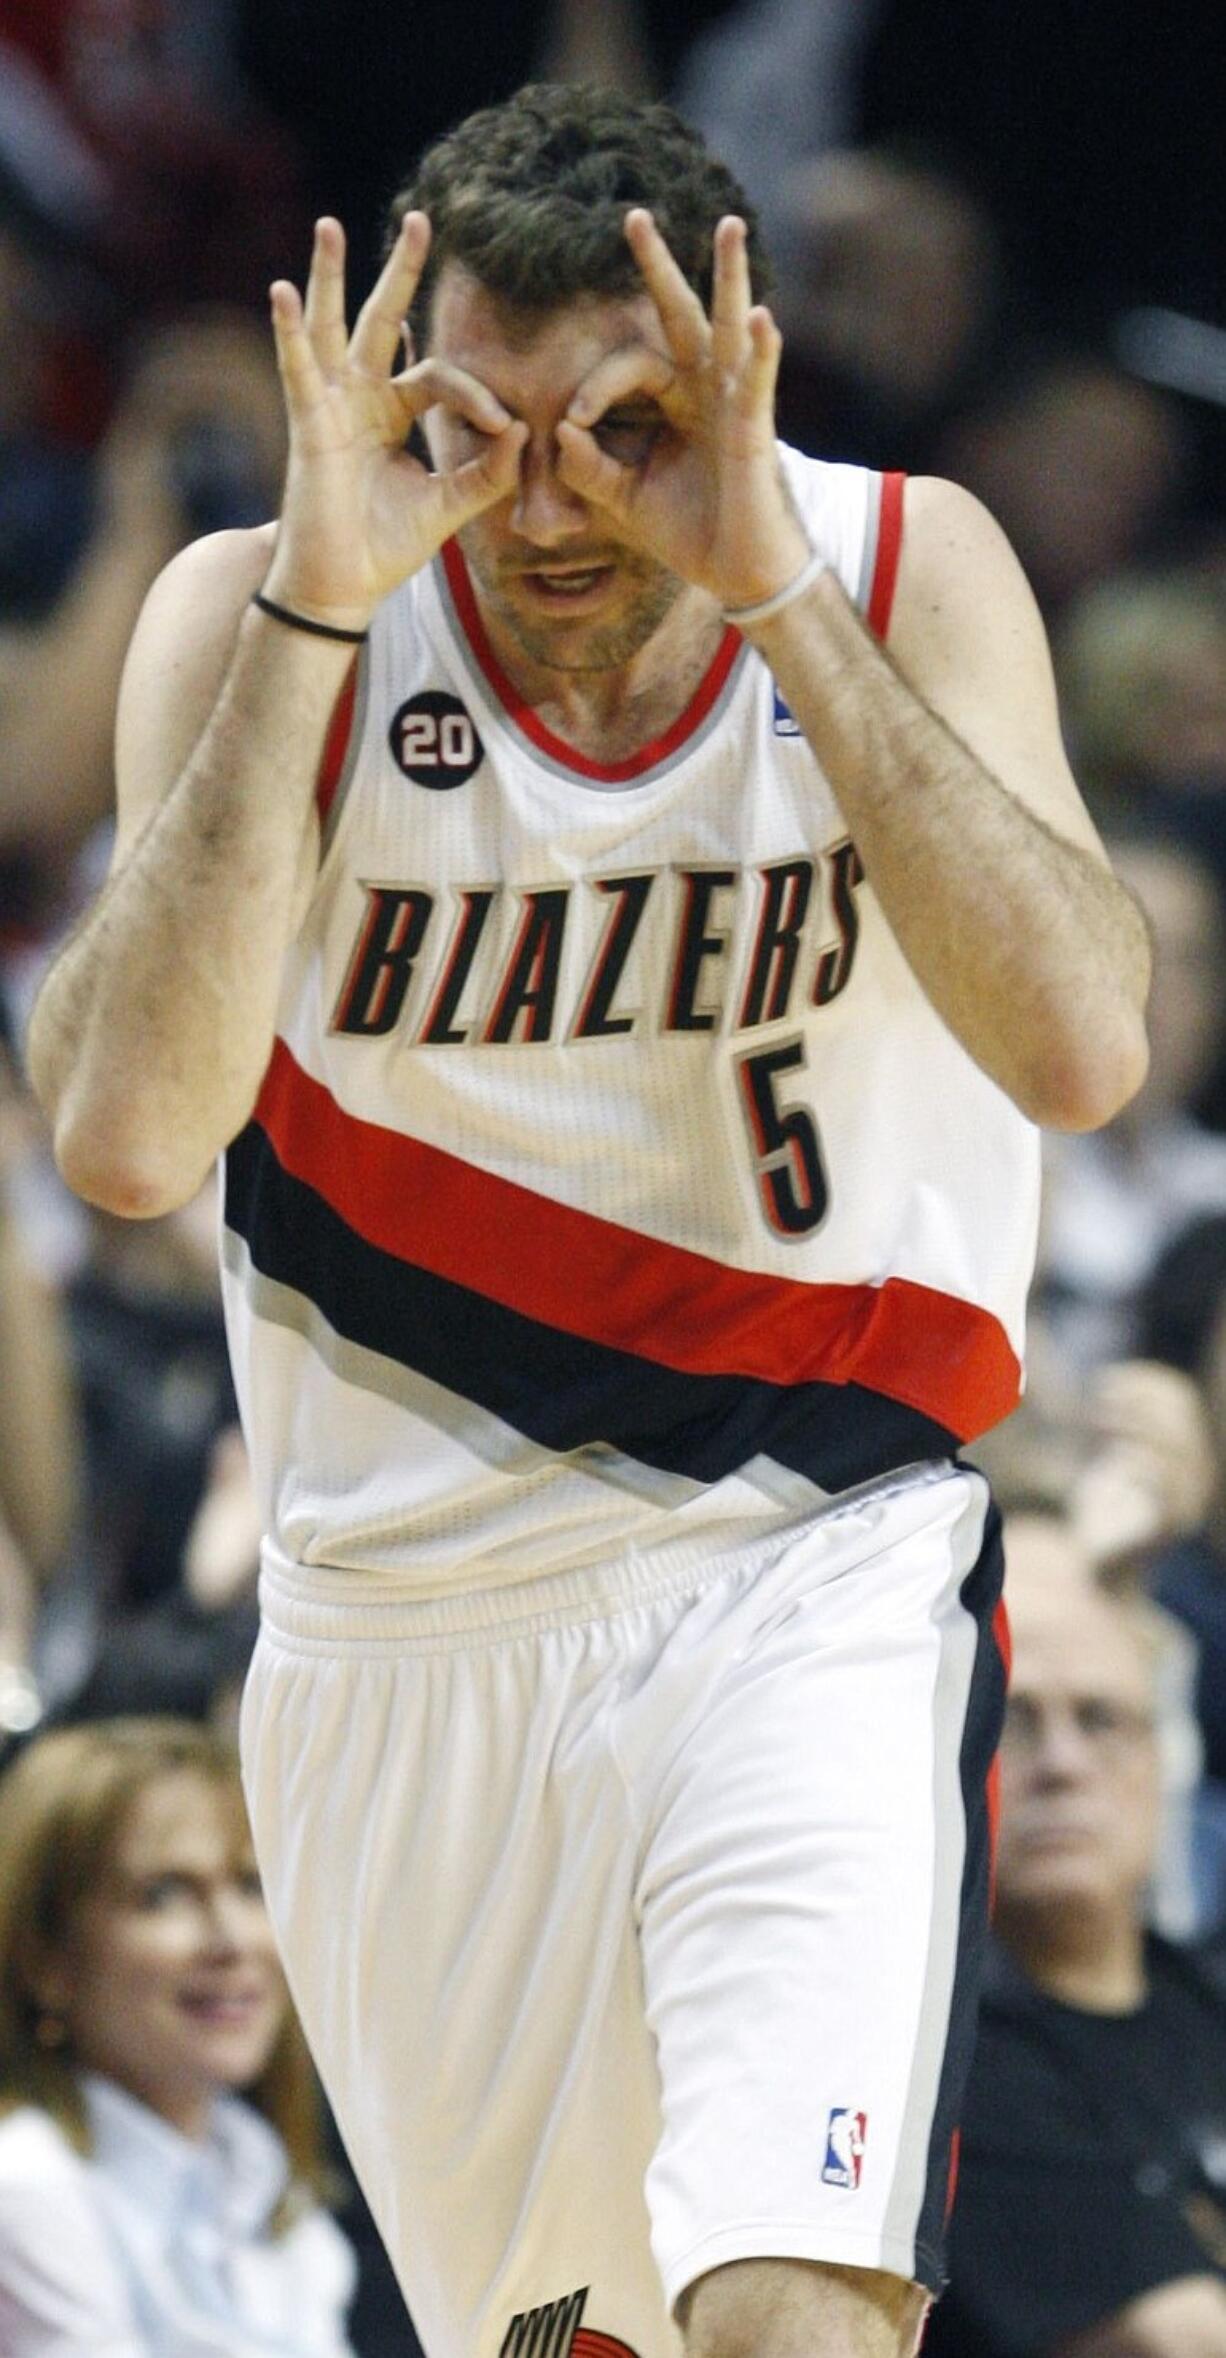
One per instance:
(176,665)
(967,634)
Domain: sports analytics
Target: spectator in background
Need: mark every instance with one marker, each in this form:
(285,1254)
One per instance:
(1182,1322)
(156,1612)
(1091,2211)
(1084,466)
(196,442)
(197,189)
(1141,669)
(787,64)
(144,2204)
(1121,1466)
(46,294)
(38,1430)
(155,1388)
(891,301)
(132,418)
(1112,1202)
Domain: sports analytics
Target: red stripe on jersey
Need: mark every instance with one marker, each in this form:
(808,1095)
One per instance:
(889,545)
(1004,1646)
(336,744)
(607,1284)
(951,2183)
(1004,1638)
(608,773)
(588,2343)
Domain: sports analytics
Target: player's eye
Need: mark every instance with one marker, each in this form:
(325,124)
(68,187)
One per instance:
(628,435)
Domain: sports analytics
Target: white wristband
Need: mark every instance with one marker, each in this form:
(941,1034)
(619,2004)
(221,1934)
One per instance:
(805,579)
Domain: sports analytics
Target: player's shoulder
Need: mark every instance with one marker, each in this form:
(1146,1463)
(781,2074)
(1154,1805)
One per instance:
(176,663)
(187,626)
(214,577)
(949,523)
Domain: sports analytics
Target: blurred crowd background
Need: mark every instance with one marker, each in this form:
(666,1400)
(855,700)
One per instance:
(998,236)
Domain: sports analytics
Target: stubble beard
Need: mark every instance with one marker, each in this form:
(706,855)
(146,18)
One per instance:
(604,646)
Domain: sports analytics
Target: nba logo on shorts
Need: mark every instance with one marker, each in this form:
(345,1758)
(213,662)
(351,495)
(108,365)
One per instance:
(845,2135)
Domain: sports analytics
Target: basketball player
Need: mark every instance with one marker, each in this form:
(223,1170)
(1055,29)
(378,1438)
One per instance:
(614,890)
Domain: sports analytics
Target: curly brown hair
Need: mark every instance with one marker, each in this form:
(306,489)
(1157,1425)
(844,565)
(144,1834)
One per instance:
(531,197)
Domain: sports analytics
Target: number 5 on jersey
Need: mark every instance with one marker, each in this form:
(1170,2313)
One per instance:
(786,1148)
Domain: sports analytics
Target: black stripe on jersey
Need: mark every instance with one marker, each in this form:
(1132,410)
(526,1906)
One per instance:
(560,1390)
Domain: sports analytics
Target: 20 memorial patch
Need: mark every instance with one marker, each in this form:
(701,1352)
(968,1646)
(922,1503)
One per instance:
(434,740)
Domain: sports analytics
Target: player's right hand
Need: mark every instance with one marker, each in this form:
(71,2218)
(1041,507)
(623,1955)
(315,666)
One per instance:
(360,512)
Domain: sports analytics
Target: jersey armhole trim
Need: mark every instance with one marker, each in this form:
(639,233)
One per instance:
(889,547)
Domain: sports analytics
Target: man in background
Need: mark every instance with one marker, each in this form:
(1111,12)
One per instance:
(1090,2220)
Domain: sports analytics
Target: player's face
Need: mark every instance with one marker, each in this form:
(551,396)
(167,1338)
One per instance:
(553,579)
(167,1978)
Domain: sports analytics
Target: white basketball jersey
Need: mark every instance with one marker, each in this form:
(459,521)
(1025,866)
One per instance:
(613,1184)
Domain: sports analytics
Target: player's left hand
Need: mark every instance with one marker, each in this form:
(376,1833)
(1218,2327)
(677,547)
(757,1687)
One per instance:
(704,493)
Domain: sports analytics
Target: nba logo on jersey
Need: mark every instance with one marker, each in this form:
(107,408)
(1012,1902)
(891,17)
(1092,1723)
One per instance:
(845,2135)
(786,725)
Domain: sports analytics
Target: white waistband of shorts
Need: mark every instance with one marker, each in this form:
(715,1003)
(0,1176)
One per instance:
(301,1609)
(325,1609)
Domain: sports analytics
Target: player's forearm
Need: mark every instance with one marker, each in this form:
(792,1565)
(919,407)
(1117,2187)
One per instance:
(152,1031)
(1029,950)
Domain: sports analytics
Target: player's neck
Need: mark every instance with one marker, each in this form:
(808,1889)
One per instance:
(609,713)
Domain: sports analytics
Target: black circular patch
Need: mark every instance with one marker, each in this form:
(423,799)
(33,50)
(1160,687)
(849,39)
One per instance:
(434,742)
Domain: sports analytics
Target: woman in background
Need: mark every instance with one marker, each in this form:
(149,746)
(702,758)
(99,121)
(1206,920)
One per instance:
(146,2209)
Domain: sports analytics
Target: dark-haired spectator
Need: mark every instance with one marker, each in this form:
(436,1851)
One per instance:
(1090,2220)
(1083,465)
(890,299)
(160,2159)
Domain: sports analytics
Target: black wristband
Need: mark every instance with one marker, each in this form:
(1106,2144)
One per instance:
(318,630)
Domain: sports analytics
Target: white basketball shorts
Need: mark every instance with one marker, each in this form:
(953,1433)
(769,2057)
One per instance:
(635,1921)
